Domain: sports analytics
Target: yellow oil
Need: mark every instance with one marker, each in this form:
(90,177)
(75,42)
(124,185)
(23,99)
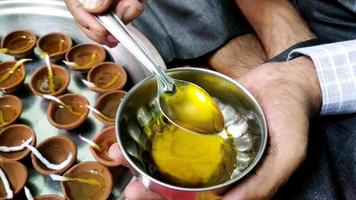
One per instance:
(63,115)
(18,44)
(187,159)
(54,47)
(7,113)
(83,191)
(43,84)
(192,108)
(106,80)
(86,60)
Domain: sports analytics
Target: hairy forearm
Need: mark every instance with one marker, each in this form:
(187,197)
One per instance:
(276,22)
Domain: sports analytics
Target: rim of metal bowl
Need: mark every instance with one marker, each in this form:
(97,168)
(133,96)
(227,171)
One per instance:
(198,189)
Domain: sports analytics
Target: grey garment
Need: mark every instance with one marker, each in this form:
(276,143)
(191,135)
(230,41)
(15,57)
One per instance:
(190,28)
(350,4)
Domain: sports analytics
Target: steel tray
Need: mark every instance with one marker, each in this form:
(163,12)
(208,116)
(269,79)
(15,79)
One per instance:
(44,16)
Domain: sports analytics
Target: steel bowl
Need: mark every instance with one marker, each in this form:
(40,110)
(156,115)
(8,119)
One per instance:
(135,108)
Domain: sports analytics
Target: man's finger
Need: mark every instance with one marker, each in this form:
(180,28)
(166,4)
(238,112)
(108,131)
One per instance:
(136,191)
(128,10)
(96,6)
(97,38)
(116,154)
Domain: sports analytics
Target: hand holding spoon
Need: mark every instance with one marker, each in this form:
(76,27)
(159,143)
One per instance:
(183,103)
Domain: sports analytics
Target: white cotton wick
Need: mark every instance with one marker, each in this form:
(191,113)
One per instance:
(58,177)
(16,148)
(91,143)
(28,194)
(53,98)
(9,192)
(70,64)
(88,83)
(46,162)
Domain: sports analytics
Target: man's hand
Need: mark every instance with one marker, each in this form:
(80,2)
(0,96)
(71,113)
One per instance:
(289,94)
(83,10)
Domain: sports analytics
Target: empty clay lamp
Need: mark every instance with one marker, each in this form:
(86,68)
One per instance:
(19,43)
(56,150)
(15,175)
(69,112)
(49,197)
(10,110)
(55,45)
(41,83)
(12,139)
(107,104)
(87,180)
(107,77)
(83,57)
(12,75)
(104,139)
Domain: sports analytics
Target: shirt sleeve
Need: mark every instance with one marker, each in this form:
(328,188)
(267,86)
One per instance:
(336,70)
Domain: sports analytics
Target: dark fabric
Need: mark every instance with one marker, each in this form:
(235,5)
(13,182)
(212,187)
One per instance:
(190,28)
(329,171)
(329,19)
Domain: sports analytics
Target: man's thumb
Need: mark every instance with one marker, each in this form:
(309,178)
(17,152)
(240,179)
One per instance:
(96,6)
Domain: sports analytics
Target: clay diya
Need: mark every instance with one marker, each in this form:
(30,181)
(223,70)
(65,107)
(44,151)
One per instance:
(83,57)
(55,45)
(56,150)
(12,76)
(49,197)
(10,110)
(19,43)
(70,113)
(16,175)
(13,136)
(40,82)
(107,77)
(87,180)
(107,104)
(104,139)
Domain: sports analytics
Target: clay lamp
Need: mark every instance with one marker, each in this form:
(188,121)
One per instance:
(56,150)
(12,75)
(106,107)
(107,77)
(101,144)
(10,110)
(55,45)
(19,43)
(12,140)
(13,178)
(86,180)
(83,57)
(68,111)
(49,197)
(50,79)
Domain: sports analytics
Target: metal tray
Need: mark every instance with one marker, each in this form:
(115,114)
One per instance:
(44,16)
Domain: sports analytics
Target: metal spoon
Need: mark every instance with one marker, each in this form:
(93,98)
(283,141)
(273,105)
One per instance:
(183,103)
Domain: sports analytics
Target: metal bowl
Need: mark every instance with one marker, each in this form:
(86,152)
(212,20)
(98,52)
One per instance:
(135,108)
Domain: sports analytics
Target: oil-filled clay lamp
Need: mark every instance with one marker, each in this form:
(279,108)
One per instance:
(83,57)
(12,75)
(55,45)
(56,150)
(68,111)
(13,178)
(19,43)
(86,180)
(42,197)
(107,105)
(13,139)
(101,144)
(107,77)
(50,79)
(10,109)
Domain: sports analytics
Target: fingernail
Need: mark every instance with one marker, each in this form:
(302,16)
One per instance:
(92,4)
(112,39)
(129,14)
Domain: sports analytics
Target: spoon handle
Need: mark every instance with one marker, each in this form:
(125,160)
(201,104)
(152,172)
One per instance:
(118,29)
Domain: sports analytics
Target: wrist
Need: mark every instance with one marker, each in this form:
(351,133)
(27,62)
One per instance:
(305,75)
